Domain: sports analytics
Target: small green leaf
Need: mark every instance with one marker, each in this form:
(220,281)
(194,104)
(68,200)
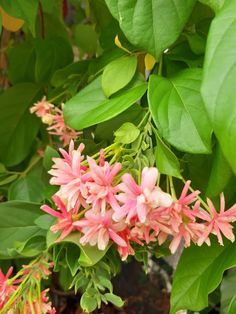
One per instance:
(88,302)
(114,299)
(48,155)
(90,106)
(9,179)
(118,74)
(166,161)
(127,133)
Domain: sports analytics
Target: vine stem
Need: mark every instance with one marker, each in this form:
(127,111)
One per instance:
(172,189)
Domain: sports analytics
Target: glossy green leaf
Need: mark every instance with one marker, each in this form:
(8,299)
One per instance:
(178,111)
(127,133)
(51,54)
(166,161)
(218,86)
(18,127)
(118,74)
(17,224)
(199,272)
(88,302)
(220,175)
(151,25)
(90,106)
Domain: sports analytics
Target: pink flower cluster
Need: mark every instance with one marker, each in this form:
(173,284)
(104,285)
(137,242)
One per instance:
(21,303)
(103,206)
(53,116)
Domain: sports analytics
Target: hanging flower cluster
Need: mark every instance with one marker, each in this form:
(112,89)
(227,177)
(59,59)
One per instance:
(102,205)
(53,117)
(21,293)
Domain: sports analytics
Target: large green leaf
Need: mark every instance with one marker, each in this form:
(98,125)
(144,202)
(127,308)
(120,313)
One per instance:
(220,175)
(51,54)
(178,111)
(198,273)
(18,127)
(151,25)
(17,224)
(227,290)
(218,87)
(90,106)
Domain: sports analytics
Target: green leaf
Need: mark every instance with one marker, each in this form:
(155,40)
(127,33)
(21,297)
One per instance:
(86,38)
(72,255)
(48,155)
(21,59)
(227,290)
(28,188)
(127,133)
(151,25)
(89,255)
(216,5)
(23,9)
(118,74)
(220,175)
(192,284)
(8,179)
(88,302)
(178,111)
(51,54)
(166,161)
(90,106)
(218,88)
(17,224)
(114,299)
(18,127)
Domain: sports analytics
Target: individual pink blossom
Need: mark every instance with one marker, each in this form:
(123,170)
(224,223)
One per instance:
(98,229)
(6,289)
(138,200)
(42,108)
(218,222)
(65,218)
(100,187)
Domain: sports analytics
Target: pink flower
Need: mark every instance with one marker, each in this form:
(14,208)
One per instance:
(6,289)
(100,189)
(60,129)
(99,229)
(139,200)
(67,172)
(65,218)
(42,108)
(218,223)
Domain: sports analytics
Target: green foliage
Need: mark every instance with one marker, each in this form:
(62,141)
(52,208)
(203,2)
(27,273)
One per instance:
(93,106)
(177,107)
(18,127)
(192,284)
(17,226)
(118,74)
(218,81)
(127,133)
(142,21)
